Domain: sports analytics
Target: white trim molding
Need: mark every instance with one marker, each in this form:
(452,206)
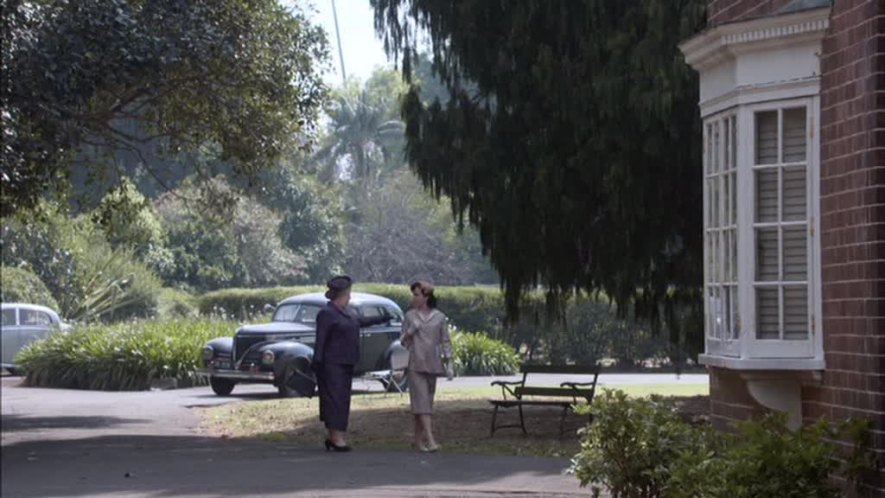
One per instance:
(759,60)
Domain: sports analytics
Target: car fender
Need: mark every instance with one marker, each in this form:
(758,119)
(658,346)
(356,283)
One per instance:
(298,357)
(221,344)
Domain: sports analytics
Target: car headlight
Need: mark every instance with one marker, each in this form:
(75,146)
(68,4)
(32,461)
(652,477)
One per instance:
(268,358)
(208,353)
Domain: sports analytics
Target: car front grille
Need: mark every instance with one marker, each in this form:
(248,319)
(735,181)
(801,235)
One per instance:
(242,343)
(253,356)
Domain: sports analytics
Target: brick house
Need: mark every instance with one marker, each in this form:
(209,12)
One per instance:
(792,96)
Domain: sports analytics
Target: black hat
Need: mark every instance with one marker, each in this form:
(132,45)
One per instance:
(337,285)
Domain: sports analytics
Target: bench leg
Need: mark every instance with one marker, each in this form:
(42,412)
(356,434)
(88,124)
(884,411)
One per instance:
(522,421)
(562,421)
(494,418)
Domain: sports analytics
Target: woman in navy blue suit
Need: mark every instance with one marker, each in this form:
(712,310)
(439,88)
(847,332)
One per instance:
(336,352)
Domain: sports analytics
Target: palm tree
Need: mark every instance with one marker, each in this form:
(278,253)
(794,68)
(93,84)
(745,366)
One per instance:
(363,138)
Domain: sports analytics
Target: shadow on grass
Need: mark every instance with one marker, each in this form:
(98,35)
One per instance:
(384,421)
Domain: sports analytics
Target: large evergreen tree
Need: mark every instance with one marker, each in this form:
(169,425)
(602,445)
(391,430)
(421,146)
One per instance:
(571,139)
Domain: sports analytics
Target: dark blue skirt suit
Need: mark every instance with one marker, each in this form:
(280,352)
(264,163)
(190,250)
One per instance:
(336,353)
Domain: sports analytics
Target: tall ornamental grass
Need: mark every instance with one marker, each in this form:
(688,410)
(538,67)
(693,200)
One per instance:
(123,356)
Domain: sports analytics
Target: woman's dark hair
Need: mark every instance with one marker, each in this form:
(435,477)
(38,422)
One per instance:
(426,291)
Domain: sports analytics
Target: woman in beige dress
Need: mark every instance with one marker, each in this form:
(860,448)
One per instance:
(426,334)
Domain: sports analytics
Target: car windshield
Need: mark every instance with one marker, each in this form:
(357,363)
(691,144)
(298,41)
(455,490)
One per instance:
(298,313)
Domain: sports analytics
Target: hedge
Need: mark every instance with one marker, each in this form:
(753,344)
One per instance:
(469,308)
(18,285)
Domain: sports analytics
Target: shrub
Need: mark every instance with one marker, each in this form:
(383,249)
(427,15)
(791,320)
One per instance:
(478,354)
(767,459)
(22,286)
(632,445)
(174,303)
(88,278)
(124,356)
(641,448)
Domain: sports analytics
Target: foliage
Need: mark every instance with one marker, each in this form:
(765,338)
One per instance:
(174,303)
(398,234)
(364,134)
(641,448)
(208,251)
(632,445)
(561,116)
(88,278)
(470,308)
(154,78)
(128,219)
(312,219)
(478,354)
(123,356)
(19,285)
(767,459)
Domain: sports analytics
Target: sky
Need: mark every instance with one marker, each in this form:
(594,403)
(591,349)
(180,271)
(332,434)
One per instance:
(362,50)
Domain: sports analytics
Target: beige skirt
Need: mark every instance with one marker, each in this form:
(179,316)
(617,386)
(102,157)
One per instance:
(422,387)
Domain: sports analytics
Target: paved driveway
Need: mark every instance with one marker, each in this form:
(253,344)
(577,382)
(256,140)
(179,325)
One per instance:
(86,443)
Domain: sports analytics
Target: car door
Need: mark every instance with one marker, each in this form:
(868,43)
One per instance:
(33,325)
(9,341)
(376,340)
(373,341)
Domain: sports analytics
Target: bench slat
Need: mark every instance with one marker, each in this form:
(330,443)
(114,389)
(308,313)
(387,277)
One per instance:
(561,369)
(552,391)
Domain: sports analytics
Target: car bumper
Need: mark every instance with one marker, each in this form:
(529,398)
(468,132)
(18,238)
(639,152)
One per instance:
(237,374)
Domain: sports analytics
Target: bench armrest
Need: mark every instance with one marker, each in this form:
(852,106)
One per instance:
(574,385)
(506,387)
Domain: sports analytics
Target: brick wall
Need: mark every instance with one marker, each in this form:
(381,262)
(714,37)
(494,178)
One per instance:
(724,11)
(730,401)
(853,220)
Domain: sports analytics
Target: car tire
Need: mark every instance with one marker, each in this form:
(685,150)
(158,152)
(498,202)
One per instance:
(221,387)
(283,388)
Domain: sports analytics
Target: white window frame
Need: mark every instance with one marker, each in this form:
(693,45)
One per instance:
(724,340)
(746,348)
(781,348)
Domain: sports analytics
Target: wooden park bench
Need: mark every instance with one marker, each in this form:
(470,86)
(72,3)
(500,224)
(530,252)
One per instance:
(521,394)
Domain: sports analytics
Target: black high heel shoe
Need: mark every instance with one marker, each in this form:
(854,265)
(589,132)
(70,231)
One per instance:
(330,446)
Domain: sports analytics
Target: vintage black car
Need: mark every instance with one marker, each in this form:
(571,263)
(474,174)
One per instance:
(280,352)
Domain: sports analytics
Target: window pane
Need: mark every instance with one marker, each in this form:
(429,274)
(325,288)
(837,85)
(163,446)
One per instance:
(794,135)
(735,314)
(794,194)
(708,149)
(726,199)
(717,260)
(796,313)
(766,137)
(716,145)
(733,141)
(766,254)
(733,196)
(715,202)
(716,312)
(727,145)
(734,245)
(767,315)
(9,316)
(795,253)
(766,195)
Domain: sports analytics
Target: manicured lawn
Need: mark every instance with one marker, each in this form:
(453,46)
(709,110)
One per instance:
(383,421)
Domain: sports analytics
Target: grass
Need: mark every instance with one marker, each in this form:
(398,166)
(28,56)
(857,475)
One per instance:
(382,421)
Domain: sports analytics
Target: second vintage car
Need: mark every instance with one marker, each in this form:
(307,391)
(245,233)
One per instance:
(280,352)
